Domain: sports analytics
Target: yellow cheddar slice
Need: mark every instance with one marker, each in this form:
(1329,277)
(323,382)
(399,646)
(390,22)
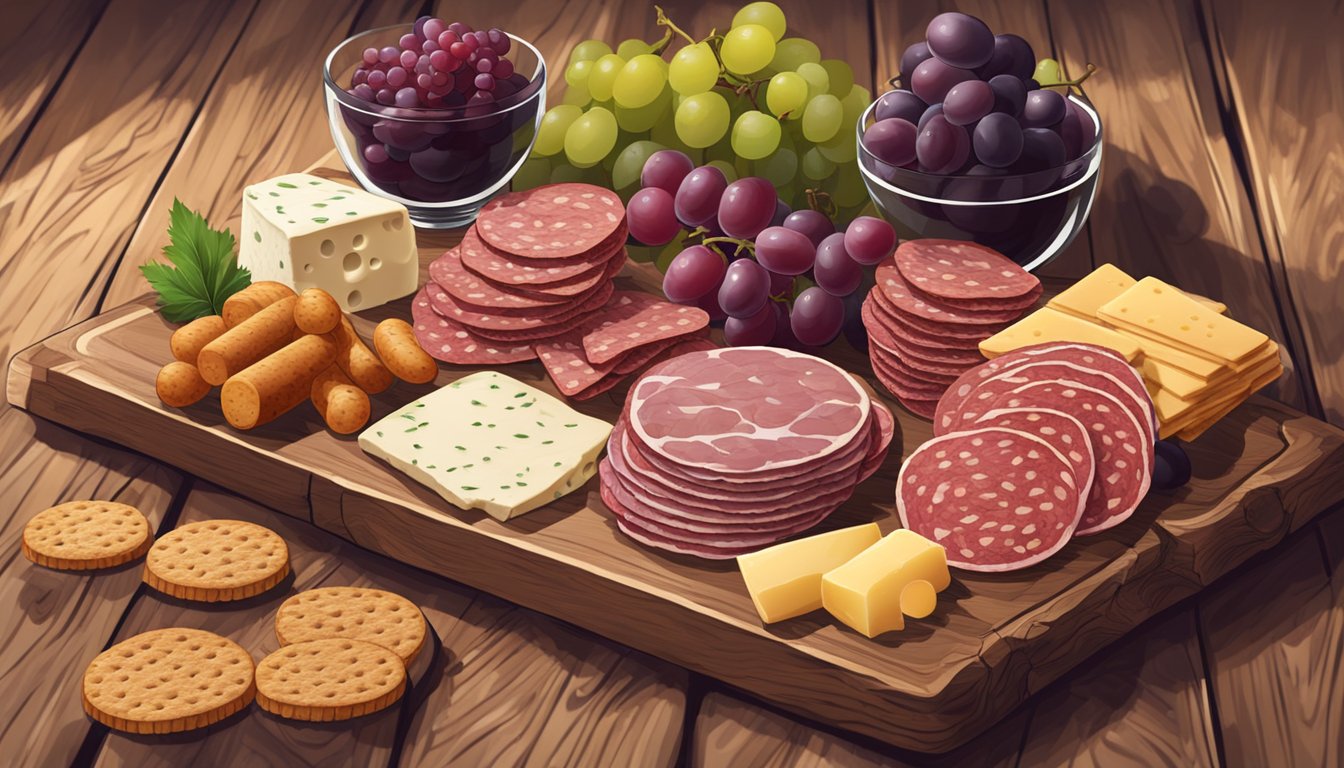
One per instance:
(784,581)
(1171,406)
(898,576)
(1105,283)
(1155,310)
(1191,364)
(1193,431)
(1049,325)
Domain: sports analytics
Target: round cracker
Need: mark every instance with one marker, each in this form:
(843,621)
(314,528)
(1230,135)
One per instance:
(373,615)
(333,678)
(84,535)
(168,680)
(217,560)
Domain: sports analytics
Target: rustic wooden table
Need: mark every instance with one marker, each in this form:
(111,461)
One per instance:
(1224,172)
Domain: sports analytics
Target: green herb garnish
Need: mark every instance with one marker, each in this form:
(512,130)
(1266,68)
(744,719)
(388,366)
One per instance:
(202,271)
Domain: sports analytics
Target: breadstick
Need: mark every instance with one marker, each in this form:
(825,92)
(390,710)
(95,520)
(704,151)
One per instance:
(317,311)
(358,361)
(343,406)
(276,383)
(401,353)
(249,341)
(188,340)
(179,384)
(252,300)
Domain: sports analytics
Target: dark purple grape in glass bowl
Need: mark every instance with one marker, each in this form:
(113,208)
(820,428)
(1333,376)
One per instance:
(960,40)
(1012,55)
(902,104)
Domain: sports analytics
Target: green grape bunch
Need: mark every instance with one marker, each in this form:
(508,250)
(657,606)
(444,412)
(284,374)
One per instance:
(751,101)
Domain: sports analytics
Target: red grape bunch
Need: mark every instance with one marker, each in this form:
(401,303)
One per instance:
(439,66)
(773,275)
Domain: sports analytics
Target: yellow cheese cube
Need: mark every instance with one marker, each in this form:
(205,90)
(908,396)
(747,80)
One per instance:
(1153,309)
(785,580)
(1048,325)
(898,576)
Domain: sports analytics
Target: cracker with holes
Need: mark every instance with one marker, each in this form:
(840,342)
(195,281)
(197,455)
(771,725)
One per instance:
(168,680)
(329,679)
(86,535)
(217,560)
(382,618)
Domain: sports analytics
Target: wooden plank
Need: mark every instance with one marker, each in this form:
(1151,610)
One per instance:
(33,65)
(1289,120)
(1274,635)
(72,194)
(898,25)
(254,737)
(1263,473)
(265,116)
(1144,702)
(1331,529)
(1174,203)
(730,731)
(55,621)
(521,689)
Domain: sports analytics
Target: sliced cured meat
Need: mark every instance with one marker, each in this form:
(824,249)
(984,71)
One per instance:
(933,333)
(903,386)
(897,363)
(501,327)
(555,221)
(898,293)
(451,342)
(578,286)
(997,499)
(884,431)
(565,364)
(1124,455)
(605,384)
(1022,303)
(655,322)
(957,269)
(1087,355)
(475,294)
(1063,432)
(746,410)
(881,332)
(510,271)
(920,406)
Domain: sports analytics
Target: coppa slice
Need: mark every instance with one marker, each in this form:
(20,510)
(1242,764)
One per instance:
(997,499)
(1124,454)
(1063,432)
(451,342)
(956,269)
(555,221)
(895,289)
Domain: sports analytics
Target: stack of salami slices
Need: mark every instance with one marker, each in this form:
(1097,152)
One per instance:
(934,302)
(726,451)
(1032,448)
(533,279)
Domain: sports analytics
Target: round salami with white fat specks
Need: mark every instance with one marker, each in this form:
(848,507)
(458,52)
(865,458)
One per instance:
(936,333)
(472,292)
(747,410)
(895,289)
(512,327)
(996,499)
(557,221)
(956,269)
(929,355)
(451,342)
(1062,431)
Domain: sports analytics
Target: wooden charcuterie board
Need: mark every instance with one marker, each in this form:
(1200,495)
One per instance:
(993,640)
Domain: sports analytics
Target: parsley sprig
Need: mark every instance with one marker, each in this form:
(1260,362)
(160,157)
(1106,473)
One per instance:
(203,271)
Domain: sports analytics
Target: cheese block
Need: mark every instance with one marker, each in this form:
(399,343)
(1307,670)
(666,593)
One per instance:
(898,576)
(784,581)
(309,232)
(1105,283)
(1153,309)
(1050,325)
(490,442)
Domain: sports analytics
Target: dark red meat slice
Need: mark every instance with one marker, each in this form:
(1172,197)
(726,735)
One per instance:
(957,269)
(996,499)
(895,289)
(932,333)
(655,322)
(1022,303)
(884,430)
(1062,431)
(508,328)
(552,222)
(451,342)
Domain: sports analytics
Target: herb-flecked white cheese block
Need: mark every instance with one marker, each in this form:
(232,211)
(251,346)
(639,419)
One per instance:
(309,232)
(491,442)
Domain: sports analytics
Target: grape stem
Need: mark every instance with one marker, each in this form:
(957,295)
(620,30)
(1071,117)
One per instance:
(737,242)
(1091,70)
(664,21)
(657,48)
(820,202)
(739,85)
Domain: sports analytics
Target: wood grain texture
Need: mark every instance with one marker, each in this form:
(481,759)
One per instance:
(254,737)
(72,194)
(1331,529)
(1142,702)
(1274,635)
(265,116)
(55,622)
(1262,473)
(34,65)
(1172,202)
(1289,119)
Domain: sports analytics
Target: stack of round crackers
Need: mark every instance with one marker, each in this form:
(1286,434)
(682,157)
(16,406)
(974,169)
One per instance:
(934,302)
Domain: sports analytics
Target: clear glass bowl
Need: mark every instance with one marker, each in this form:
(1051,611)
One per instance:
(1030,218)
(442,164)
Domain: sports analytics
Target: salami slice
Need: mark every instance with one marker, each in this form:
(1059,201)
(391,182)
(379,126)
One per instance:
(997,499)
(1063,432)
(471,292)
(903,386)
(509,270)
(895,362)
(933,333)
(747,409)
(555,221)
(884,430)
(958,269)
(1024,303)
(563,355)
(490,325)
(881,331)
(1124,455)
(653,323)
(451,342)
(895,289)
